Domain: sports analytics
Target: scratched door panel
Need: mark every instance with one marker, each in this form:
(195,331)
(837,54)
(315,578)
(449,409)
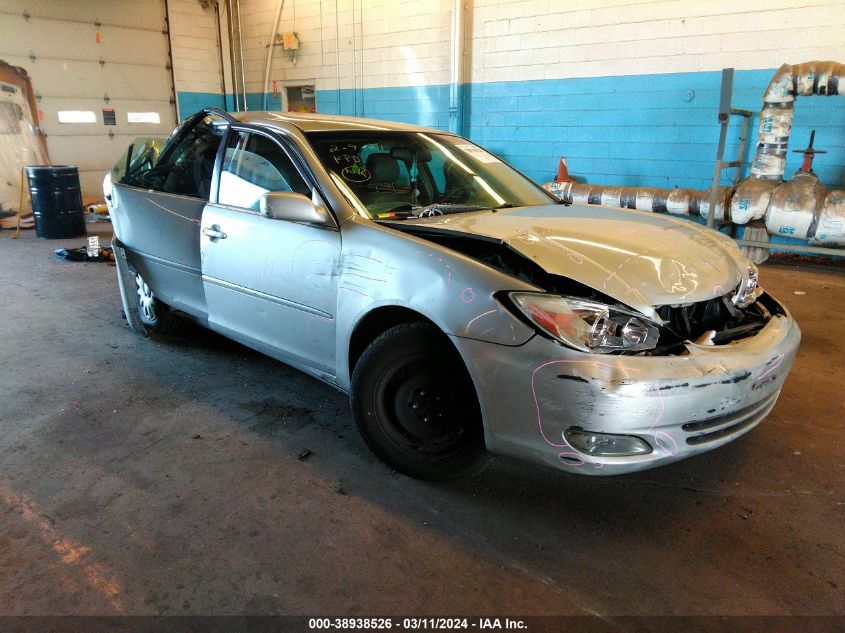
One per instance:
(273,284)
(163,233)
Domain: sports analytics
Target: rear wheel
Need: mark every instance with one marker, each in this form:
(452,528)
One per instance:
(415,404)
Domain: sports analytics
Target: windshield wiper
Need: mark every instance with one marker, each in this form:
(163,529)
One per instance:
(442,208)
(405,211)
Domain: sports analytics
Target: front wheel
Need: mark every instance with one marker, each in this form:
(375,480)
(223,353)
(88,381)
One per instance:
(415,404)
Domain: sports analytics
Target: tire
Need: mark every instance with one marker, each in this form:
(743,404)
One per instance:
(155,316)
(416,406)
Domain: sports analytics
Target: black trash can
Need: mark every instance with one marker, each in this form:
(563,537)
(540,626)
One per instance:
(56,201)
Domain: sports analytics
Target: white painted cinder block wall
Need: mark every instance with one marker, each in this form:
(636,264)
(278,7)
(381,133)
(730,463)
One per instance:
(349,43)
(406,42)
(550,39)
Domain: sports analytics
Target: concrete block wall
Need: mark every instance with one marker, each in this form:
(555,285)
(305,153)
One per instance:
(627,90)
(375,58)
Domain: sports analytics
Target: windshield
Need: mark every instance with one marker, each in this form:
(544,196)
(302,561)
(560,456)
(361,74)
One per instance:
(393,175)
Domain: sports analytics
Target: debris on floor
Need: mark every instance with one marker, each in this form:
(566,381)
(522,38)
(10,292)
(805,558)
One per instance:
(83,254)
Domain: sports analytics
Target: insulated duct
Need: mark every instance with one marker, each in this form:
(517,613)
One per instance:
(799,208)
(809,78)
(674,201)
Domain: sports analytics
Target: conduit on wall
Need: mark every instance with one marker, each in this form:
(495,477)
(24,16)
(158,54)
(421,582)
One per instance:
(799,208)
(270,46)
(456,63)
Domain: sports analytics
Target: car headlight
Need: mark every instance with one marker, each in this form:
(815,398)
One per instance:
(747,291)
(588,326)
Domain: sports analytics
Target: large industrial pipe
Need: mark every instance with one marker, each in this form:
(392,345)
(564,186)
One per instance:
(790,81)
(799,208)
(674,201)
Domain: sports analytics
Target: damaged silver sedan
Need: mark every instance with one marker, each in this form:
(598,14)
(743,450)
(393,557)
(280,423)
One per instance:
(460,305)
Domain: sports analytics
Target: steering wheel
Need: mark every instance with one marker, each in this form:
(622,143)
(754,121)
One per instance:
(183,179)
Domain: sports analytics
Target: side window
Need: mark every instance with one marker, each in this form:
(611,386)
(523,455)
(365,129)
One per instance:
(254,165)
(186,163)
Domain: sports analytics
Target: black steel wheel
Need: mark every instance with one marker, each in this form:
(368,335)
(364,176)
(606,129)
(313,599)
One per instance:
(415,404)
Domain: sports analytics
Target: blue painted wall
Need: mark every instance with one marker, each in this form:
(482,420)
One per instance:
(191,102)
(417,105)
(650,130)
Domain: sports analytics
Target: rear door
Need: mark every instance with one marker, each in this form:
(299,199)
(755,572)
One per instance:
(270,283)
(159,208)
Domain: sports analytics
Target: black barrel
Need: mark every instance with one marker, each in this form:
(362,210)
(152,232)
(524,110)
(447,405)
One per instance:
(56,201)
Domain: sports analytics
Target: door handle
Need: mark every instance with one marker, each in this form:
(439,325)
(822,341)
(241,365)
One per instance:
(214,232)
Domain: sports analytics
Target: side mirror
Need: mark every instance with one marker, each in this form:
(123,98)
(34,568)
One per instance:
(295,207)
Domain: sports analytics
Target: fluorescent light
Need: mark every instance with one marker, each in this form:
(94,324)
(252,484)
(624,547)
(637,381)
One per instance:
(143,117)
(77,116)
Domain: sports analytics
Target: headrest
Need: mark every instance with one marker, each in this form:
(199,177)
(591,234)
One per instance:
(383,169)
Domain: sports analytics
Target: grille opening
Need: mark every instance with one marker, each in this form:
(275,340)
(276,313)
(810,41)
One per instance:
(689,322)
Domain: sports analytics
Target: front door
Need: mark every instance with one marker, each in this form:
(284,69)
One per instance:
(270,283)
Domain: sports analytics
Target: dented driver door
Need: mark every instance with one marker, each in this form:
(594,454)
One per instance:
(271,284)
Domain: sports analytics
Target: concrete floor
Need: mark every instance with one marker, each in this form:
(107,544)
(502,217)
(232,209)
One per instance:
(161,477)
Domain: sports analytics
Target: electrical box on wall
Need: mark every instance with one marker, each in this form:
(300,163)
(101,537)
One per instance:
(289,41)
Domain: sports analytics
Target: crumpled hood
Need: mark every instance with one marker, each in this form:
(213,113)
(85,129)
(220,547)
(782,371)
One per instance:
(641,259)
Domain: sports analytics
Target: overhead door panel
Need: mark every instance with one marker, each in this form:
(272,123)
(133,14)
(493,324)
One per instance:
(87,55)
(87,79)
(129,45)
(64,150)
(122,108)
(143,14)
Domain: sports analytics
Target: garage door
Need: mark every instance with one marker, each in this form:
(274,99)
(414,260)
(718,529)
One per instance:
(101,66)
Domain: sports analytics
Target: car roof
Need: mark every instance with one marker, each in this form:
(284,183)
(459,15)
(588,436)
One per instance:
(317,122)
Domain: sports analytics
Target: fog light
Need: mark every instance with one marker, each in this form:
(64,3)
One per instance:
(605,443)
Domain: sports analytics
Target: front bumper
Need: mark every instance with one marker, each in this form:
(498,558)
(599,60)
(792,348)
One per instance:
(680,405)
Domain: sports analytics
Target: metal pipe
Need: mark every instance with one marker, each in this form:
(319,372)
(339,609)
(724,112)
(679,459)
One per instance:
(361,26)
(170,61)
(219,23)
(789,82)
(230,31)
(456,59)
(354,79)
(241,56)
(799,208)
(270,51)
(674,201)
(337,52)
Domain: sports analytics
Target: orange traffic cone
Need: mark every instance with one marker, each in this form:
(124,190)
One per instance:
(563,172)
